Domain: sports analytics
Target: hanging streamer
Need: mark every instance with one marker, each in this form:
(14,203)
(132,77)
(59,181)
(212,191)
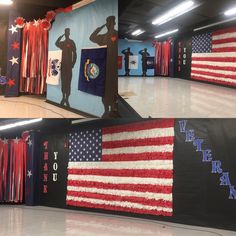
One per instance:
(13,170)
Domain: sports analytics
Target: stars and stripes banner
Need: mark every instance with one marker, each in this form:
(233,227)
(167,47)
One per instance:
(214,57)
(32,170)
(12,169)
(125,168)
(13,58)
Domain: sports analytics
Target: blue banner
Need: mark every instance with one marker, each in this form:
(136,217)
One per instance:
(93,71)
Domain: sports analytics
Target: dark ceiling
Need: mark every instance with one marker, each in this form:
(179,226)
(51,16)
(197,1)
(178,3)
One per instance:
(34,9)
(135,14)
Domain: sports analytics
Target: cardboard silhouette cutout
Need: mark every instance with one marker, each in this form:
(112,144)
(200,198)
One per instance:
(109,39)
(69,58)
(127,54)
(144,53)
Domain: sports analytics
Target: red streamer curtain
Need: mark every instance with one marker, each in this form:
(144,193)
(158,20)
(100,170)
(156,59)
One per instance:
(158,51)
(34,58)
(162,57)
(12,170)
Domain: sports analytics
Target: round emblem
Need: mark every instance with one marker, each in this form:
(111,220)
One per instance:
(93,71)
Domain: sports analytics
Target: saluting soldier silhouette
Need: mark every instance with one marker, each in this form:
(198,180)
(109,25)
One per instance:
(109,39)
(127,54)
(144,53)
(69,57)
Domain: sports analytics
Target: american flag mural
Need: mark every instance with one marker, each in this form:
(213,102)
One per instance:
(214,57)
(125,168)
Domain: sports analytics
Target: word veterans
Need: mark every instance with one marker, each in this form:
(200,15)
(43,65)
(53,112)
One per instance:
(207,157)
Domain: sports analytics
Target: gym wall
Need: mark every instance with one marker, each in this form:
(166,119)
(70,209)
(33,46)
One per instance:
(135,48)
(198,188)
(82,23)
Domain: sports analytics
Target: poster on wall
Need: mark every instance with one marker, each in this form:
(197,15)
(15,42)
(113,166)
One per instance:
(93,71)
(133,62)
(150,61)
(54,67)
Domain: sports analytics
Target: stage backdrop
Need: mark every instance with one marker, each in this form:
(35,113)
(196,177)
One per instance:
(79,24)
(171,170)
(135,48)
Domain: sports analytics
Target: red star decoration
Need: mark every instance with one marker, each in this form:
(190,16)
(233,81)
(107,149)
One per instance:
(68,45)
(15,45)
(113,39)
(11,83)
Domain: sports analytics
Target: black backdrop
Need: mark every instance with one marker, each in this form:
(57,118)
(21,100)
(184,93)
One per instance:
(198,197)
(183,57)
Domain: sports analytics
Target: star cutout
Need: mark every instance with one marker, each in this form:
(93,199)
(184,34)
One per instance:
(29,173)
(13,29)
(5,141)
(36,23)
(16,140)
(14,60)
(30,143)
(15,45)
(11,82)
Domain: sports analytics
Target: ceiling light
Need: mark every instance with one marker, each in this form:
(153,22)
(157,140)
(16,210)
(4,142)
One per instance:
(20,123)
(138,32)
(177,11)
(214,24)
(231,12)
(167,33)
(6,2)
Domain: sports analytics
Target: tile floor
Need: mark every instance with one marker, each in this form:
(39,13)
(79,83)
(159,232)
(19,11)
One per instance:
(31,107)
(169,97)
(42,221)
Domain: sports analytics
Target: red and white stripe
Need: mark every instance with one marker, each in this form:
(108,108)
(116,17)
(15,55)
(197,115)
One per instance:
(135,174)
(220,65)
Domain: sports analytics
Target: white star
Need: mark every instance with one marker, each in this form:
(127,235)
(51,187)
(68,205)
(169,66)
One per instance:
(30,143)
(13,29)
(16,140)
(36,23)
(14,61)
(29,173)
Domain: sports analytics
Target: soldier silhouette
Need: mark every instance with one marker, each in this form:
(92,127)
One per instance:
(127,54)
(69,57)
(109,39)
(144,53)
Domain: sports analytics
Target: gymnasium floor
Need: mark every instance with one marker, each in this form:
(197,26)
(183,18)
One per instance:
(42,221)
(31,107)
(169,97)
